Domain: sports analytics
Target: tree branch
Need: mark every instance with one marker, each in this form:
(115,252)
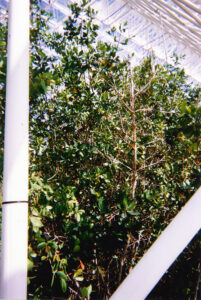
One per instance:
(132,103)
(197,282)
(149,166)
(112,159)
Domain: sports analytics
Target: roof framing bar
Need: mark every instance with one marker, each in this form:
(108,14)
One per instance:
(169,23)
(169,11)
(170,29)
(170,20)
(187,11)
(190,5)
(191,19)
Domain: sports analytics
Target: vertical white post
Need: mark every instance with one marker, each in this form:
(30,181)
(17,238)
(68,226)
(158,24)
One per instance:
(162,253)
(13,272)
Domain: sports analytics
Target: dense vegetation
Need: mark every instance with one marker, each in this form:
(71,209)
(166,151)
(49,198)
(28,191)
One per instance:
(114,155)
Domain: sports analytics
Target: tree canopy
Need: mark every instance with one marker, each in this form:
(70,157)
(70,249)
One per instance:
(114,155)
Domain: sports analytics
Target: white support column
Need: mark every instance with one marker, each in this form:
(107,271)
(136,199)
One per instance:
(162,253)
(13,272)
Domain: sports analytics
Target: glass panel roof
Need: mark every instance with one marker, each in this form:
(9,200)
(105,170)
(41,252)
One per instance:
(159,26)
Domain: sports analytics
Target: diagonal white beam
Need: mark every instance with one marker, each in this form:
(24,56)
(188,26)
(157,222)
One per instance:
(162,253)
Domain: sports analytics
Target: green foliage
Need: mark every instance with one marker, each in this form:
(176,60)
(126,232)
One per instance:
(114,154)
(86,291)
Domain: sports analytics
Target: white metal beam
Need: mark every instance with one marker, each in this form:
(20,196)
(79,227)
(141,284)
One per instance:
(13,271)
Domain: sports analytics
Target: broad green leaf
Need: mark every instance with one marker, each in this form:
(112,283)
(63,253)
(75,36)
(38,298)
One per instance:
(62,275)
(36,221)
(30,265)
(41,245)
(63,285)
(86,291)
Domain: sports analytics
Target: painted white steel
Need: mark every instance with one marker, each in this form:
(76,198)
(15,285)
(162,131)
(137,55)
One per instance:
(162,253)
(14,252)
(13,277)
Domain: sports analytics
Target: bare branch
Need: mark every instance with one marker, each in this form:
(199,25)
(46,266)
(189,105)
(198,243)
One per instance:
(168,112)
(144,109)
(112,159)
(197,282)
(153,164)
(52,177)
(123,258)
(154,141)
(145,87)
(132,103)
(121,99)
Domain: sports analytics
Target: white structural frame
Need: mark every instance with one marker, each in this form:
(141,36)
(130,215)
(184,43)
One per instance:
(13,271)
(157,260)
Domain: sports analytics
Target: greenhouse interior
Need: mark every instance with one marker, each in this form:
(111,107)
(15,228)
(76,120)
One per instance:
(100,166)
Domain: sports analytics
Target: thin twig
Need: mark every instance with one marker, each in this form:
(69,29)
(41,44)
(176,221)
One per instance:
(132,103)
(197,282)
(74,292)
(149,166)
(145,87)
(114,160)
(121,99)
(144,109)
(52,177)
(123,258)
